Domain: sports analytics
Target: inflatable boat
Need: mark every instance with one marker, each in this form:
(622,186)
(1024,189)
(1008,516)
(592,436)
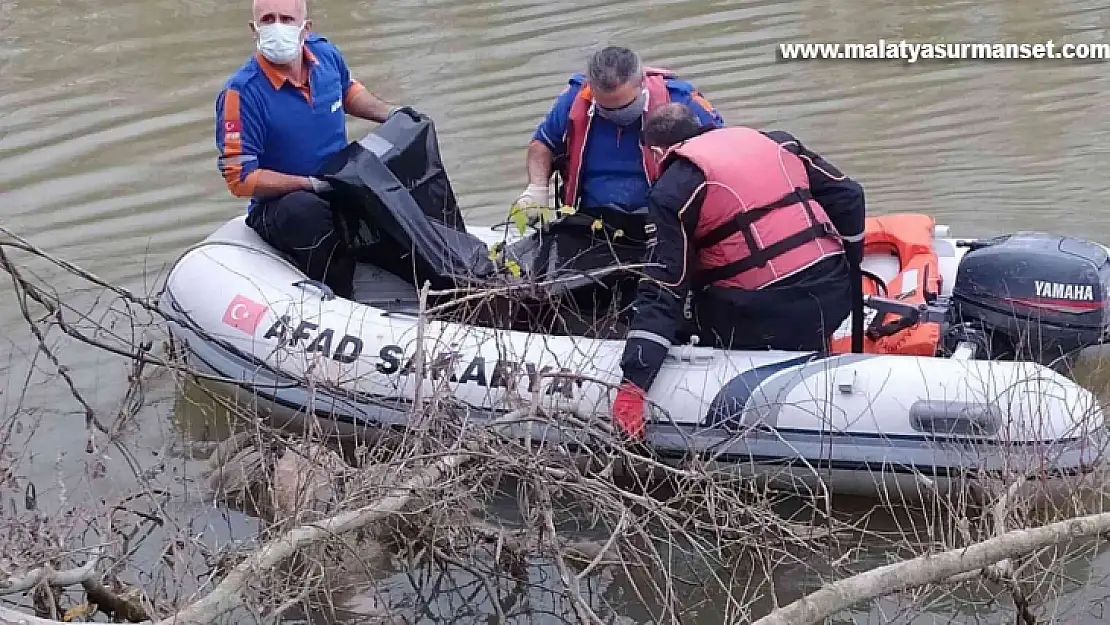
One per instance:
(961,375)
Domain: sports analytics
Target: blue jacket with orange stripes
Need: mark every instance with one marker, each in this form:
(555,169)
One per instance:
(265,121)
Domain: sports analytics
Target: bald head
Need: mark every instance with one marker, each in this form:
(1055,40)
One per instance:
(279,11)
(669,124)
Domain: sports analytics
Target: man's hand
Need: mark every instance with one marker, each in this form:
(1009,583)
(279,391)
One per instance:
(628,410)
(407,110)
(532,201)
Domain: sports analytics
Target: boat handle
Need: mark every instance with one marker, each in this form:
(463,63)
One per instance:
(690,352)
(325,290)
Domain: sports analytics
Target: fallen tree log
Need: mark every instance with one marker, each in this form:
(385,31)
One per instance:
(932,568)
(229,593)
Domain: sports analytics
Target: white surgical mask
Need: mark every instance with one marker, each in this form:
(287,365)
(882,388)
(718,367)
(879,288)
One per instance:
(279,43)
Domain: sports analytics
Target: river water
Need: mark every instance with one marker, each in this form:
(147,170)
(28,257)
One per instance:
(106,123)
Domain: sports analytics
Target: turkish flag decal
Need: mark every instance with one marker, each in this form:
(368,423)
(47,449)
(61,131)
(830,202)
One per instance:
(244,314)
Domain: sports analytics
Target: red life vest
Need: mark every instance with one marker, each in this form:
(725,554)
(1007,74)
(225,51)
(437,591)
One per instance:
(759,222)
(578,128)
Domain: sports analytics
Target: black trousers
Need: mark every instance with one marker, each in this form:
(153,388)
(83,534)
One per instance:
(797,316)
(300,224)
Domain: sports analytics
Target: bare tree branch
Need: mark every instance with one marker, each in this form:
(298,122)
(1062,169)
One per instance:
(932,568)
(654,538)
(47,575)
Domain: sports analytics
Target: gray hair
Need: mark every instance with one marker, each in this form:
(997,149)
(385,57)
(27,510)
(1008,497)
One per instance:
(612,67)
(669,124)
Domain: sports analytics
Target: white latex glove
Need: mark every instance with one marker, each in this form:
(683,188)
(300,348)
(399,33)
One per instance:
(319,186)
(534,198)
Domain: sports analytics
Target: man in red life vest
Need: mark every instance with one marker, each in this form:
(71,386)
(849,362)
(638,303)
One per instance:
(592,136)
(754,229)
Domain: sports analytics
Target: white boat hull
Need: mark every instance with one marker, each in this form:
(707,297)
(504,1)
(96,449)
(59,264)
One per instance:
(852,423)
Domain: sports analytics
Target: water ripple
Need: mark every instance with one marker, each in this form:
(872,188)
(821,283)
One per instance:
(107,154)
(106,131)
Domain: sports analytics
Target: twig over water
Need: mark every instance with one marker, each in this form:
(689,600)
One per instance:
(680,530)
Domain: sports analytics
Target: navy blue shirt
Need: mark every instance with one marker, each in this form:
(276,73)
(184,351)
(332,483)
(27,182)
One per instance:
(613,171)
(264,120)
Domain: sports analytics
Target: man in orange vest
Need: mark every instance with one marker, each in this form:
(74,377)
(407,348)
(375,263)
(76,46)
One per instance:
(592,136)
(750,242)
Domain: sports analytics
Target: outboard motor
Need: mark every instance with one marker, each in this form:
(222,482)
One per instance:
(1030,296)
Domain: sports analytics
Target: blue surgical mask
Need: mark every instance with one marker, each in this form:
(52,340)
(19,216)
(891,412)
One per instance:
(626,115)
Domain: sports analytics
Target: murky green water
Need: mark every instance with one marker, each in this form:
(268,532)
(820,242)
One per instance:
(107,155)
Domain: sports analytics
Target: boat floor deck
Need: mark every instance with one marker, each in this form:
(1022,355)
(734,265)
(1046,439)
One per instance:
(377,287)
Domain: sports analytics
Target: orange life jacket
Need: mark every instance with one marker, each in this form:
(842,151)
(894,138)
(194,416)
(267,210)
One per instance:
(909,237)
(578,129)
(759,222)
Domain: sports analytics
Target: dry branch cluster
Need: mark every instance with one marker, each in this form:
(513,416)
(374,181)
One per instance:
(513,529)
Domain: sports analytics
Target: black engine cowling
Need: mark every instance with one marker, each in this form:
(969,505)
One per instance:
(1030,296)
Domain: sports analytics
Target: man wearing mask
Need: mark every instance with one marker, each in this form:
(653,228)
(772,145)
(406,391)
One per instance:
(755,235)
(278,119)
(592,135)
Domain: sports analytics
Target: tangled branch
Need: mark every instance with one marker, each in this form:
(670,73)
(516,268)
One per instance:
(584,516)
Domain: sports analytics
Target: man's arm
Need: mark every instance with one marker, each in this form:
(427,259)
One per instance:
(661,295)
(548,141)
(539,161)
(357,99)
(842,197)
(270,183)
(239,137)
(360,102)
